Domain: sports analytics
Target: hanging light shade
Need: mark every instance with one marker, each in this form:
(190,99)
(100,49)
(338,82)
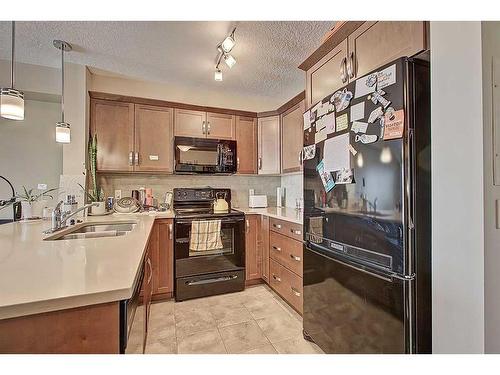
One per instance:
(228,43)
(12,100)
(218,75)
(63,129)
(229,60)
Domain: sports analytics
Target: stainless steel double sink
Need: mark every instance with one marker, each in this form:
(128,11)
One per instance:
(93,230)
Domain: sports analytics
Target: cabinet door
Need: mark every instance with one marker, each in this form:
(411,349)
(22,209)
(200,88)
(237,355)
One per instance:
(113,122)
(264,227)
(326,75)
(246,145)
(376,43)
(269,145)
(153,139)
(188,123)
(292,138)
(252,249)
(163,261)
(220,126)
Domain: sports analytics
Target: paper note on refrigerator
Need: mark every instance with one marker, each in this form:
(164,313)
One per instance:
(359,127)
(386,77)
(363,87)
(342,122)
(307,120)
(320,136)
(336,154)
(358,111)
(329,122)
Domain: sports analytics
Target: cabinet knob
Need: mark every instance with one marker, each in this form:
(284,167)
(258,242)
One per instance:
(298,232)
(136,158)
(277,226)
(259,162)
(171,231)
(130,158)
(294,257)
(278,279)
(208,127)
(277,248)
(203,127)
(295,291)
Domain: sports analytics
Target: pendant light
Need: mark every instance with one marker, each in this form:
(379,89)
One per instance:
(63,129)
(12,100)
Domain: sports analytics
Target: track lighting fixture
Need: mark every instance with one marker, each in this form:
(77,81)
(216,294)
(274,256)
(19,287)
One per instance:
(12,100)
(224,48)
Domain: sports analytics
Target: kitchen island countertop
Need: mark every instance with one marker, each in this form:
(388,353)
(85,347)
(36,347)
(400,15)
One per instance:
(39,276)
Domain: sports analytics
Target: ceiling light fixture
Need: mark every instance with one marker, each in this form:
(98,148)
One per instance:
(12,100)
(218,74)
(228,43)
(229,60)
(63,129)
(223,49)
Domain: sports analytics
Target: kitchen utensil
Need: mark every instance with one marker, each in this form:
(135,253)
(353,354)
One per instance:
(220,203)
(127,205)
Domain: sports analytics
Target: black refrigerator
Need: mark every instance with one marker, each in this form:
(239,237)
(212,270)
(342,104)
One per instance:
(367,226)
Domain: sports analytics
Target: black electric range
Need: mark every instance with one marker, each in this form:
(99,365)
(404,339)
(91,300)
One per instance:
(218,269)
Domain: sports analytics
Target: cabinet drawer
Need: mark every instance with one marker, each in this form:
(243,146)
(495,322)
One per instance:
(287,284)
(286,228)
(286,251)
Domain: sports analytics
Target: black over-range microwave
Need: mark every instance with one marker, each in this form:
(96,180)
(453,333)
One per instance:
(202,155)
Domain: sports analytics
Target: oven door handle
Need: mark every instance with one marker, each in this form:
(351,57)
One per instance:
(211,281)
(227,220)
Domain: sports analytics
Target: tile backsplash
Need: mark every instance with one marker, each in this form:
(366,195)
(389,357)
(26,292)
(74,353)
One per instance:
(293,185)
(238,184)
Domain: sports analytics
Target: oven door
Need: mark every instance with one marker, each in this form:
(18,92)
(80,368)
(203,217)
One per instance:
(231,256)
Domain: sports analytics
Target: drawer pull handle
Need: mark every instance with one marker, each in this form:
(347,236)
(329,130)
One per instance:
(277,248)
(277,226)
(295,257)
(296,231)
(295,291)
(278,279)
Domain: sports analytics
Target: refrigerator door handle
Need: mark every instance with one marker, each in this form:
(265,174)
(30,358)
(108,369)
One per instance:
(387,277)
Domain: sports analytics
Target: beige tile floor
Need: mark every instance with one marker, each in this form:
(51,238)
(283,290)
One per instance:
(255,321)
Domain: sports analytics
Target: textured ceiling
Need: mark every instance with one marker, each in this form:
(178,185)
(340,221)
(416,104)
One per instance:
(180,53)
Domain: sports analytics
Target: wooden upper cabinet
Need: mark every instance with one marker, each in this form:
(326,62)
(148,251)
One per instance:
(252,248)
(246,145)
(327,74)
(153,139)
(220,126)
(292,138)
(269,145)
(376,43)
(113,122)
(189,123)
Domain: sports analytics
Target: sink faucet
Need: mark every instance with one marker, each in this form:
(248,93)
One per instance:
(373,205)
(60,217)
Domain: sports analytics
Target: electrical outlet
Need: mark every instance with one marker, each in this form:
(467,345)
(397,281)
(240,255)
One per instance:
(118,194)
(42,186)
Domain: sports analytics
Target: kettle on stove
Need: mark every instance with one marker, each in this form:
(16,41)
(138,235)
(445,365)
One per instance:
(220,203)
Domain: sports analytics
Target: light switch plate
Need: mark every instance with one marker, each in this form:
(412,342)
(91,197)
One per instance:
(42,187)
(118,194)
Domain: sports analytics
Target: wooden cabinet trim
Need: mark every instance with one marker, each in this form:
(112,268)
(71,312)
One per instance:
(165,103)
(333,41)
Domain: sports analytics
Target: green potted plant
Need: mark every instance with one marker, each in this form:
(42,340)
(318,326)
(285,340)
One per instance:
(32,204)
(95,194)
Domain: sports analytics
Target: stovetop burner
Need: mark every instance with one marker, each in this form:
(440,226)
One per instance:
(198,202)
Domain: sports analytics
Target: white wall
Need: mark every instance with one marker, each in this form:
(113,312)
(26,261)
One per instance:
(457,188)
(293,184)
(182,94)
(491,50)
(32,78)
(28,152)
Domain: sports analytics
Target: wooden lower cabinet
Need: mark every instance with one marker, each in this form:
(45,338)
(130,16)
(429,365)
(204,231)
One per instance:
(264,225)
(287,284)
(84,330)
(161,250)
(253,246)
(286,261)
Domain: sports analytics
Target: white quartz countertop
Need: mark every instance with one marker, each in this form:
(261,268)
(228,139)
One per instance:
(39,276)
(283,213)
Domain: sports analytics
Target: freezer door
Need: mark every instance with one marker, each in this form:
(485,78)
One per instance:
(352,310)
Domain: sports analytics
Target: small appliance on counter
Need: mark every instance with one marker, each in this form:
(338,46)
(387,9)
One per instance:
(257,201)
